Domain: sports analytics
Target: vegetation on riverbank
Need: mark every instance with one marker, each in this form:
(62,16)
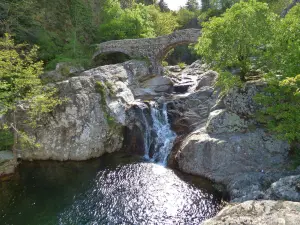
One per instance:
(254,40)
(248,35)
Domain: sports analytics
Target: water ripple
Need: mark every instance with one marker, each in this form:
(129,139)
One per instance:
(140,193)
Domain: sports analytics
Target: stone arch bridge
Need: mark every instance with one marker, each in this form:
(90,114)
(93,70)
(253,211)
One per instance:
(153,49)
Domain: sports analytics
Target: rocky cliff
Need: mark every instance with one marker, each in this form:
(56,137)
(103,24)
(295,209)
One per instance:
(258,213)
(219,138)
(92,119)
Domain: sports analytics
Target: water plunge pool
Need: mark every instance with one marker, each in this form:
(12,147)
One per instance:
(114,189)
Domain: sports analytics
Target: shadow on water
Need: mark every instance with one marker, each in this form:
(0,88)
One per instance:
(114,189)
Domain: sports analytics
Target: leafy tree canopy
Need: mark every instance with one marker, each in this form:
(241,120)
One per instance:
(237,37)
(138,22)
(281,99)
(20,83)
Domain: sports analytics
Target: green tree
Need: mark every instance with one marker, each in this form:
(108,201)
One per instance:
(284,50)
(205,5)
(237,37)
(138,22)
(127,23)
(184,16)
(20,83)
(163,6)
(162,22)
(192,5)
(281,99)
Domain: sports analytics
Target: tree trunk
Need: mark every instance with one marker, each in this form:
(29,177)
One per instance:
(288,8)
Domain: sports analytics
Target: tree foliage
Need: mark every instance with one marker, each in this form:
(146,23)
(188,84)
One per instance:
(137,22)
(237,37)
(250,36)
(192,5)
(284,50)
(281,99)
(20,83)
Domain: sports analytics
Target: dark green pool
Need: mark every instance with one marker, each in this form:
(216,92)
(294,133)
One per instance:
(115,189)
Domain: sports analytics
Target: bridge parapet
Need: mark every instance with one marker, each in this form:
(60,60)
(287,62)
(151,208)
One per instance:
(152,48)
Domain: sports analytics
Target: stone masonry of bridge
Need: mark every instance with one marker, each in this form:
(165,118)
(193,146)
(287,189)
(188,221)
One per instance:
(153,49)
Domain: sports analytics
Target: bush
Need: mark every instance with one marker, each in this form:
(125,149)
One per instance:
(181,65)
(282,107)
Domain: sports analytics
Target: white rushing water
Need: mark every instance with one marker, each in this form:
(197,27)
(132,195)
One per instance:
(163,135)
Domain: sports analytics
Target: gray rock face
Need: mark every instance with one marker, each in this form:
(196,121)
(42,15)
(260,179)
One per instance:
(189,112)
(258,213)
(63,71)
(207,79)
(221,157)
(240,100)
(8,163)
(222,121)
(226,145)
(79,129)
(90,123)
(191,78)
(287,188)
(158,84)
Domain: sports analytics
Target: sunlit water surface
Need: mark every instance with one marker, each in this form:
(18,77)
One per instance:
(115,189)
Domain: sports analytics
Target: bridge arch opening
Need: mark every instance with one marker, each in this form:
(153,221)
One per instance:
(111,58)
(182,53)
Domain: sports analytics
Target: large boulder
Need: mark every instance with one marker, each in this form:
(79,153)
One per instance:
(189,112)
(207,79)
(158,84)
(258,213)
(287,188)
(220,157)
(222,121)
(80,129)
(91,120)
(226,144)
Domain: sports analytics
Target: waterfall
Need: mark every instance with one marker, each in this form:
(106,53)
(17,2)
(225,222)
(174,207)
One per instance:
(159,135)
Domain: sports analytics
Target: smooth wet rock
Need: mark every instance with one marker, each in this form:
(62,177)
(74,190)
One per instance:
(253,185)
(221,121)
(220,157)
(258,213)
(138,121)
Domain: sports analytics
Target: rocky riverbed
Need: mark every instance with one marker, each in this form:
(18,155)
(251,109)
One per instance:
(108,109)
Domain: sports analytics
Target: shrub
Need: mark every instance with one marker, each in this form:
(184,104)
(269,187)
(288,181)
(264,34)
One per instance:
(181,65)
